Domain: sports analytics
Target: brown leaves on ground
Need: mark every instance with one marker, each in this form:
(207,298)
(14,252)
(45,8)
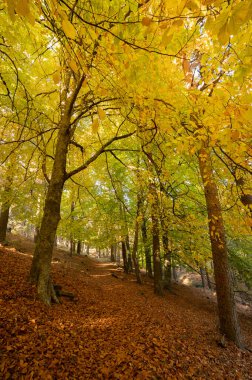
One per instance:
(115,329)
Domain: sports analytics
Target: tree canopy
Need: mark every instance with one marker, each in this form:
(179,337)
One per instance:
(114,113)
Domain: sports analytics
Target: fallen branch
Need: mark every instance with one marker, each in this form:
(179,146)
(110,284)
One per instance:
(61,293)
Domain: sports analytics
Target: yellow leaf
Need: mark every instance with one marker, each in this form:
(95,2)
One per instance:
(69,29)
(31,19)
(192,5)
(164,25)
(242,11)
(73,66)
(215,25)
(181,6)
(56,77)
(249,222)
(11,10)
(22,8)
(95,126)
(146,21)
(167,37)
(223,35)
(101,113)
(62,13)
(235,135)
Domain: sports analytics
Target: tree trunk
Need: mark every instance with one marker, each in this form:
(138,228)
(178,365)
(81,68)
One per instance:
(167,253)
(208,279)
(4,217)
(129,261)
(129,257)
(79,247)
(147,251)
(5,209)
(112,253)
(72,242)
(72,247)
(124,256)
(203,277)
(224,289)
(135,244)
(158,287)
(174,273)
(36,234)
(40,272)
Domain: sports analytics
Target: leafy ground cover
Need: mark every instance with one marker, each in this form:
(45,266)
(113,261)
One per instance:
(114,329)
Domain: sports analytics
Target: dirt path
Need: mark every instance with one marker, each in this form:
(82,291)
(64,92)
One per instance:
(114,329)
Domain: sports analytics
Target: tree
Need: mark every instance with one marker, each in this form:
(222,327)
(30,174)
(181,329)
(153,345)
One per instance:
(186,94)
(225,295)
(5,208)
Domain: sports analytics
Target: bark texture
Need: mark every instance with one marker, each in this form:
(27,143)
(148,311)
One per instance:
(79,247)
(135,243)
(41,264)
(124,256)
(5,210)
(4,217)
(225,295)
(147,250)
(113,253)
(167,253)
(158,286)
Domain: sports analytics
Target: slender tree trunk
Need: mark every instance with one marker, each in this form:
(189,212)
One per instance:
(174,273)
(158,287)
(4,217)
(129,261)
(203,277)
(127,241)
(87,250)
(36,234)
(167,253)
(124,256)
(79,247)
(112,253)
(129,257)
(40,272)
(5,210)
(147,250)
(208,279)
(135,244)
(72,247)
(116,251)
(72,242)
(224,289)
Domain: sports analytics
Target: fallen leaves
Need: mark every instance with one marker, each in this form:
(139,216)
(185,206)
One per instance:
(112,332)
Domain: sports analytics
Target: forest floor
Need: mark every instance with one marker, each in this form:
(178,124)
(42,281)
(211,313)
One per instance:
(113,329)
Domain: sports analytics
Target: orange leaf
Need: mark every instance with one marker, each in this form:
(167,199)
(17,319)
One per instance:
(146,21)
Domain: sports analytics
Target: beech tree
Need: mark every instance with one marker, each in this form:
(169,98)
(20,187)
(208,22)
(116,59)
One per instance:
(169,77)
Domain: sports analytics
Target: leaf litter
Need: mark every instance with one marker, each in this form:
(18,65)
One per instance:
(114,328)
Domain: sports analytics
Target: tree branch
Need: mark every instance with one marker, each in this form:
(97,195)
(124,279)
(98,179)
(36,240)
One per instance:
(97,154)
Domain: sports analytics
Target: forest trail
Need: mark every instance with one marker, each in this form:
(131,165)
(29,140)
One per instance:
(114,329)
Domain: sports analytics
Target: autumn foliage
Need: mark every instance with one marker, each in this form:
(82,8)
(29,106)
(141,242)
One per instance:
(114,329)
(126,127)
